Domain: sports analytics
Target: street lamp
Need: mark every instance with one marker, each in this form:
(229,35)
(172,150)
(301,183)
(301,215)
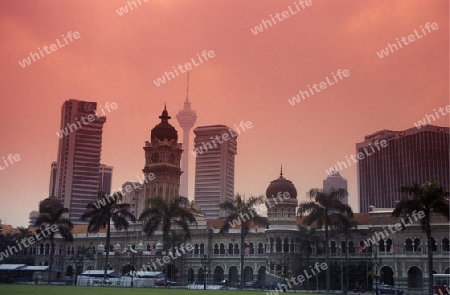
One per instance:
(204,262)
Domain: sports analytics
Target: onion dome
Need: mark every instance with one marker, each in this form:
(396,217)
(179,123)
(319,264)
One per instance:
(50,204)
(164,130)
(280,186)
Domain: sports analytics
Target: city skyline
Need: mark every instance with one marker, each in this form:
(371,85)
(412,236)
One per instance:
(247,78)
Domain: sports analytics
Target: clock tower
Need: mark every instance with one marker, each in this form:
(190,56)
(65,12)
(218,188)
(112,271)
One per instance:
(162,159)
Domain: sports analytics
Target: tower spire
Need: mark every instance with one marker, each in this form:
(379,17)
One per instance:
(281,170)
(187,87)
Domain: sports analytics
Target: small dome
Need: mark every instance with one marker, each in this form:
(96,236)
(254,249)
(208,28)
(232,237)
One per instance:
(164,130)
(280,186)
(50,204)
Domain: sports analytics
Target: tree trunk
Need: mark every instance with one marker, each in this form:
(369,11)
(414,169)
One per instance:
(108,242)
(327,259)
(430,255)
(52,247)
(242,260)
(346,263)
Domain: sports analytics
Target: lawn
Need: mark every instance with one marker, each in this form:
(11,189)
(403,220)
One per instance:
(9,289)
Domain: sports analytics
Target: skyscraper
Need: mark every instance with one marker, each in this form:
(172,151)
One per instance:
(53,176)
(162,160)
(79,152)
(411,156)
(105,179)
(186,118)
(335,181)
(214,167)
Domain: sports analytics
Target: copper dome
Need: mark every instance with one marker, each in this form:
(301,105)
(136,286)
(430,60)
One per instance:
(164,130)
(281,185)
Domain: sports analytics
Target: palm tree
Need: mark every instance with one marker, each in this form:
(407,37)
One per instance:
(344,224)
(100,217)
(242,213)
(321,209)
(308,237)
(427,198)
(162,214)
(54,216)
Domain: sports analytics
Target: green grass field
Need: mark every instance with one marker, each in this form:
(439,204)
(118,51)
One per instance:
(74,290)
(7,289)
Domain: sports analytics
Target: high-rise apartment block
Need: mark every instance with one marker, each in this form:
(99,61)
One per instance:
(214,148)
(410,156)
(335,181)
(79,152)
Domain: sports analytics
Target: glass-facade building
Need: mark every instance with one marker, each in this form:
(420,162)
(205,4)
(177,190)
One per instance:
(411,156)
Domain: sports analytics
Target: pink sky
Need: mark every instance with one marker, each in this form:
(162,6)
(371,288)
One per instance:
(250,78)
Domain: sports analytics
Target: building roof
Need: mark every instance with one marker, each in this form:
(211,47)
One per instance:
(281,185)
(361,218)
(217,224)
(8,229)
(164,130)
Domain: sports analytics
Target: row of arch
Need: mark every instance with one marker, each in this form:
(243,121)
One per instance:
(275,245)
(218,274)
(414,274)
(249,248)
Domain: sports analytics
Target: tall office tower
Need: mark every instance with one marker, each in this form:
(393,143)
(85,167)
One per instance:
(105,179)
(162,159)
(410,156)
(134,196)
(186,118)
(32,217)
(79,151)
(53,177)
(215,148)
(335,181)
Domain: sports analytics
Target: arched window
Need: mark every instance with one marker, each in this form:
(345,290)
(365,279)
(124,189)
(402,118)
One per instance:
(260,248)
(202,249)
(343,246)
(408,245)
(417,246)
(286,245)
(230,248)
(41,248)
(445,245)
(351,247)
(433,244)
(252,248)
(333,248)
(236,248)
(216,249)
(382,247)
(222,248)
(196,249)
(389,245)
(278,245)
